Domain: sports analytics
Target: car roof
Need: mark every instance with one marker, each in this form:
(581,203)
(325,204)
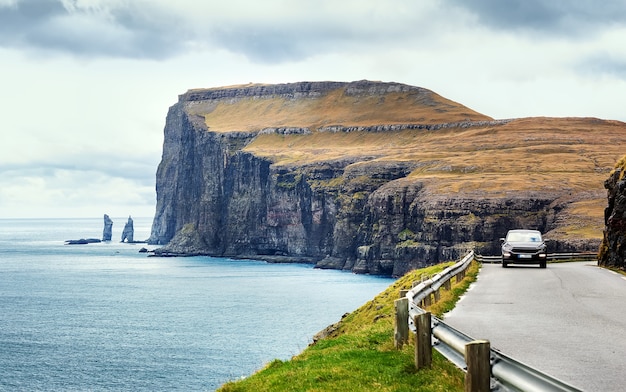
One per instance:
(524,231)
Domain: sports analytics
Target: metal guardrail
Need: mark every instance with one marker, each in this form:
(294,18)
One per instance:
(427,287)
(573,256)
(506,374)
(551,257)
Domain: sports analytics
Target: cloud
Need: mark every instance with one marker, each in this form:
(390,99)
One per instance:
(99,29)
(573,18)
(279,31)
(59,192)
(603,65)
(138,169)
(272,31)
(66,185)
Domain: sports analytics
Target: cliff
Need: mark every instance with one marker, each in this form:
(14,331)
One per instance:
(613,249)
(371,177)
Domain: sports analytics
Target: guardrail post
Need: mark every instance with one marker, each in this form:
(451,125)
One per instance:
(477,358)
(401,333)
(447,285)
(426,302)
(423,341)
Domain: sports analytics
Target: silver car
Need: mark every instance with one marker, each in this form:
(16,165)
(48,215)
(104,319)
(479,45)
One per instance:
(523,247)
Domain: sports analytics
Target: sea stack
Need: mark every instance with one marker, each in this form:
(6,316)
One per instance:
(108,228)
(129,231)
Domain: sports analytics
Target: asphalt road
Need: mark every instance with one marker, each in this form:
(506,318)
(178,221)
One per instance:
(568,320)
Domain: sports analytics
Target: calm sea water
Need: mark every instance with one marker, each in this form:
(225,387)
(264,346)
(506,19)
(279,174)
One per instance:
(106,317)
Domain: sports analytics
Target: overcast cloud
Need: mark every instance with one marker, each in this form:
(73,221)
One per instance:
(567,18)
(86,84)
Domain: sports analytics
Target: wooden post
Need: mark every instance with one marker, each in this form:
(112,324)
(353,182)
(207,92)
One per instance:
(423,341)
(403,293)
(436,295)
(447,285)
(426,301)
(401,333)
(477,358)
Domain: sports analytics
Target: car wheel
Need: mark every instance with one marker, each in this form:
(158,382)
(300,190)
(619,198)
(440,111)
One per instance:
(543,264)
(504,264)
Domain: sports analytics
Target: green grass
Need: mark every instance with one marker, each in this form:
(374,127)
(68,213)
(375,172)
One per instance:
(359,354)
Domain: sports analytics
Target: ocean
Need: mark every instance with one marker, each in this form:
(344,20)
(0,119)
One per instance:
(105,317)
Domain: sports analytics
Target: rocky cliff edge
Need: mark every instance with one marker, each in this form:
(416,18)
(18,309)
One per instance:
(613,249)
(371,177)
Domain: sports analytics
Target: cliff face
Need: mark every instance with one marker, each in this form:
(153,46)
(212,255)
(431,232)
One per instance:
(613,249)
(371,177)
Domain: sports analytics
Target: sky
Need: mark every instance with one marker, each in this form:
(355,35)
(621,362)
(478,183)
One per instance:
(85,85)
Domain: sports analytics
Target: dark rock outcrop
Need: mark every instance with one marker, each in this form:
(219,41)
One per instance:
(359,212)
(107,232)
(613,249)
(82,241)
(129,231)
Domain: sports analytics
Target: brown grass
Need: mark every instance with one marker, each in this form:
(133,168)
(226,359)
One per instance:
(567,156)
(520,149)
(331,109)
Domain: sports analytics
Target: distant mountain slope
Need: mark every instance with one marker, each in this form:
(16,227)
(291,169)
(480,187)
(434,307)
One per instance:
(372,177)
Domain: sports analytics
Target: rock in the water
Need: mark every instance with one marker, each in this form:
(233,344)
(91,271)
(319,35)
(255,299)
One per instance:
(108,228)
(82,241)
(129,231)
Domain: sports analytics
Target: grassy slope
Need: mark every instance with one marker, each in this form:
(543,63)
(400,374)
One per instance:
(542,148)
(359,355)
